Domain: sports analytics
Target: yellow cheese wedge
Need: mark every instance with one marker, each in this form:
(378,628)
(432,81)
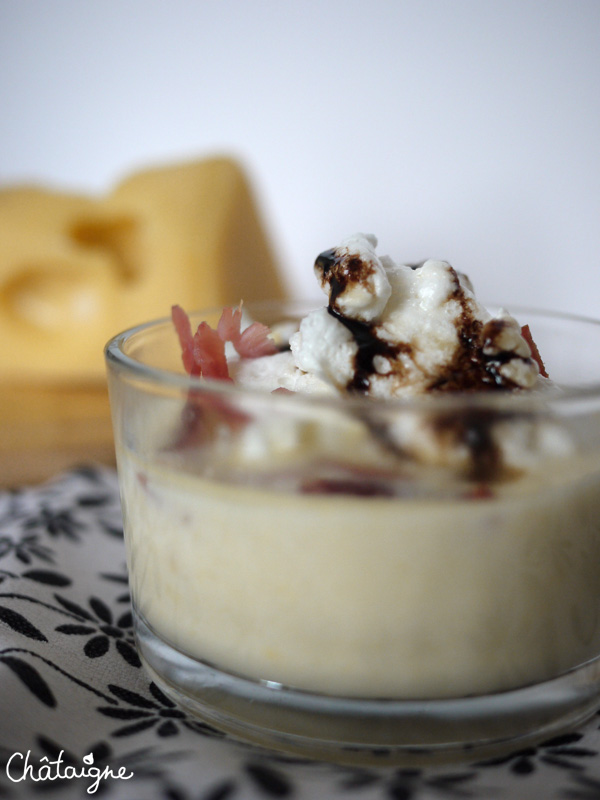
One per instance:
(74,270)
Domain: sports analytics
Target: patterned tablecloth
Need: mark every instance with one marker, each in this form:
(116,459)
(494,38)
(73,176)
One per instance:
(74,697)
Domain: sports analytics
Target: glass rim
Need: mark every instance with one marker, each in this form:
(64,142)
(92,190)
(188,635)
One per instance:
(116,357)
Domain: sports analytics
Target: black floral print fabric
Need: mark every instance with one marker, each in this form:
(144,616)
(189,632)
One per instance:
(75,697)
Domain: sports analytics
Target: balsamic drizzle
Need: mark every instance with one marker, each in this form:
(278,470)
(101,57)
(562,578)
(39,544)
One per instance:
(469,370)
(369,346)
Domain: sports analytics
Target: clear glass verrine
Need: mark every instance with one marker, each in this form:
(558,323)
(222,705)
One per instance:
(337,575)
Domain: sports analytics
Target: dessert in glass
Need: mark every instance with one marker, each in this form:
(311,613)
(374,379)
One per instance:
(369,529)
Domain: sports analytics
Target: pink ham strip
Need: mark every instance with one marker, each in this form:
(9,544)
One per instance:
(254,342)
(182,324)
(229,324)
(203,353)
(209,352)
(535,353)
(251,343)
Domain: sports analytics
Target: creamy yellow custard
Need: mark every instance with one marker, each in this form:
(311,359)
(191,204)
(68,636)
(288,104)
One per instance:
(369,596)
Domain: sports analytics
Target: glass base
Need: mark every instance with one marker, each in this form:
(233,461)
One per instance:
(365,731)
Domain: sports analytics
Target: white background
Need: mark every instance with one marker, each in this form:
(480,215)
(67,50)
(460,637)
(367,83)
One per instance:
(459,129)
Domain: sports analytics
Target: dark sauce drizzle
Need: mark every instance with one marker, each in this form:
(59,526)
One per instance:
(339,271)
(470,369)
(369,345)
(474,427)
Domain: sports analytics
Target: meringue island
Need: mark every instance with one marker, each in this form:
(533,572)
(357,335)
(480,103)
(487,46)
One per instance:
(383,500)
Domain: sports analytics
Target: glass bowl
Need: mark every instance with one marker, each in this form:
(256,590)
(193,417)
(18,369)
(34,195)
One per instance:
(365,580)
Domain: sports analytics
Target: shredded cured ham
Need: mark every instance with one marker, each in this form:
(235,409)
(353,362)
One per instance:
(209,353)
(250,343)
(254,342)
(229,324)
(182,324)
(535,353)
(203,353)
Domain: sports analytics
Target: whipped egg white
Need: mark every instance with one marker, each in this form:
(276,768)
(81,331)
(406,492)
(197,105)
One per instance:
(403,331)
(395,330)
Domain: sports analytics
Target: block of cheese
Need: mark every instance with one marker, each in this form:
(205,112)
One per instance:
(74,270)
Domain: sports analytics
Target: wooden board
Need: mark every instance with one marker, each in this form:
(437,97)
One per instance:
(46,429)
